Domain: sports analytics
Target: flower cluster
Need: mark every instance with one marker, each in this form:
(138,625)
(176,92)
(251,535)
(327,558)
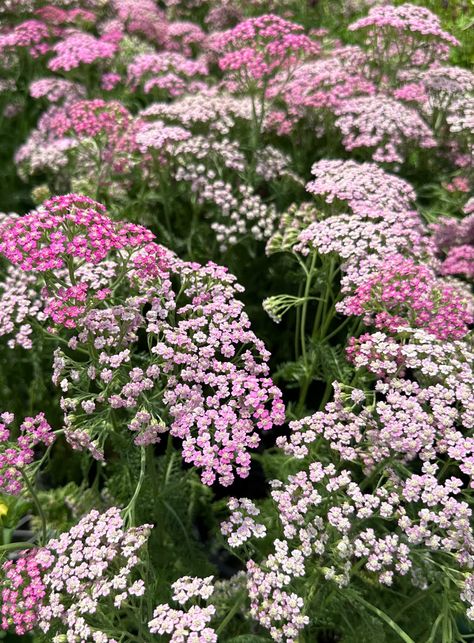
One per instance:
(20,303)
(215,397)
(365,187)
(66,583)
(200,343)
(80,49)
(66,227)
(16,455)
(382,222)
(31,34)
(325,83)
(383,125)
(23,591)
(404,36)
(326,167)
(254,50)
(241,524)
(170,73)
(55,90)
(191,625)
(404,293)
(217,112)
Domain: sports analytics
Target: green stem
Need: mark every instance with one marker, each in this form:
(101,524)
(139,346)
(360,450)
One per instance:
(396,628)
(37,505)
(231,613)
(129,511)
(302,331)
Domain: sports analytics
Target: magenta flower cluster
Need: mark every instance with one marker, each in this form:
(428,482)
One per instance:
(403,293)
(68,226)
(257,48)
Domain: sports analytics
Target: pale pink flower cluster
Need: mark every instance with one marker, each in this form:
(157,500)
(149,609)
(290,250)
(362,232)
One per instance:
(193,346)
(365,187)
(401,36)
(385,126)
(423,417)
(184,37)
(443,84)
(62,138)
(159,137)
(240,209)
(190,625)
(325,83)
(460,119)
(67,583)
(20,303)
(381,224)
(168,72)
(56,90)
(55,15)
(34,35)
(218,112)
(80,48)
(241,524)
(142,17)
(455,239)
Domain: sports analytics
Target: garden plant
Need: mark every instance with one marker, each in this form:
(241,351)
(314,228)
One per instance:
(236,313)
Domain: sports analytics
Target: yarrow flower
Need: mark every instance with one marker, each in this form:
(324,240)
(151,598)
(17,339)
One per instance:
(33,34)
(66,227)
(384,125)
(325,83)
(20,303)
(56,90)
(255,49)
(186,626)
(23,591)
(241,524)
(198,350)
(64,584)
(158,136)
(404,293)
(171,73)
(16,455)
(418,34)
(80,48)
(365,187)
(218,392)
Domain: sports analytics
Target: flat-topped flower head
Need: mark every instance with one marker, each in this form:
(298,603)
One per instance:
(404,35)
(91,118)
(59,588)
(255,49)
(34,35)
(405,293)
(170,72)
(56,90)
(365,187)
(67,227)
(383,125)
(17,454)
(80,48)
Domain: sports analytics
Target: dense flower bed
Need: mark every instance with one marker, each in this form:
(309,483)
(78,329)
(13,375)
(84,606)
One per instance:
(236,346)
